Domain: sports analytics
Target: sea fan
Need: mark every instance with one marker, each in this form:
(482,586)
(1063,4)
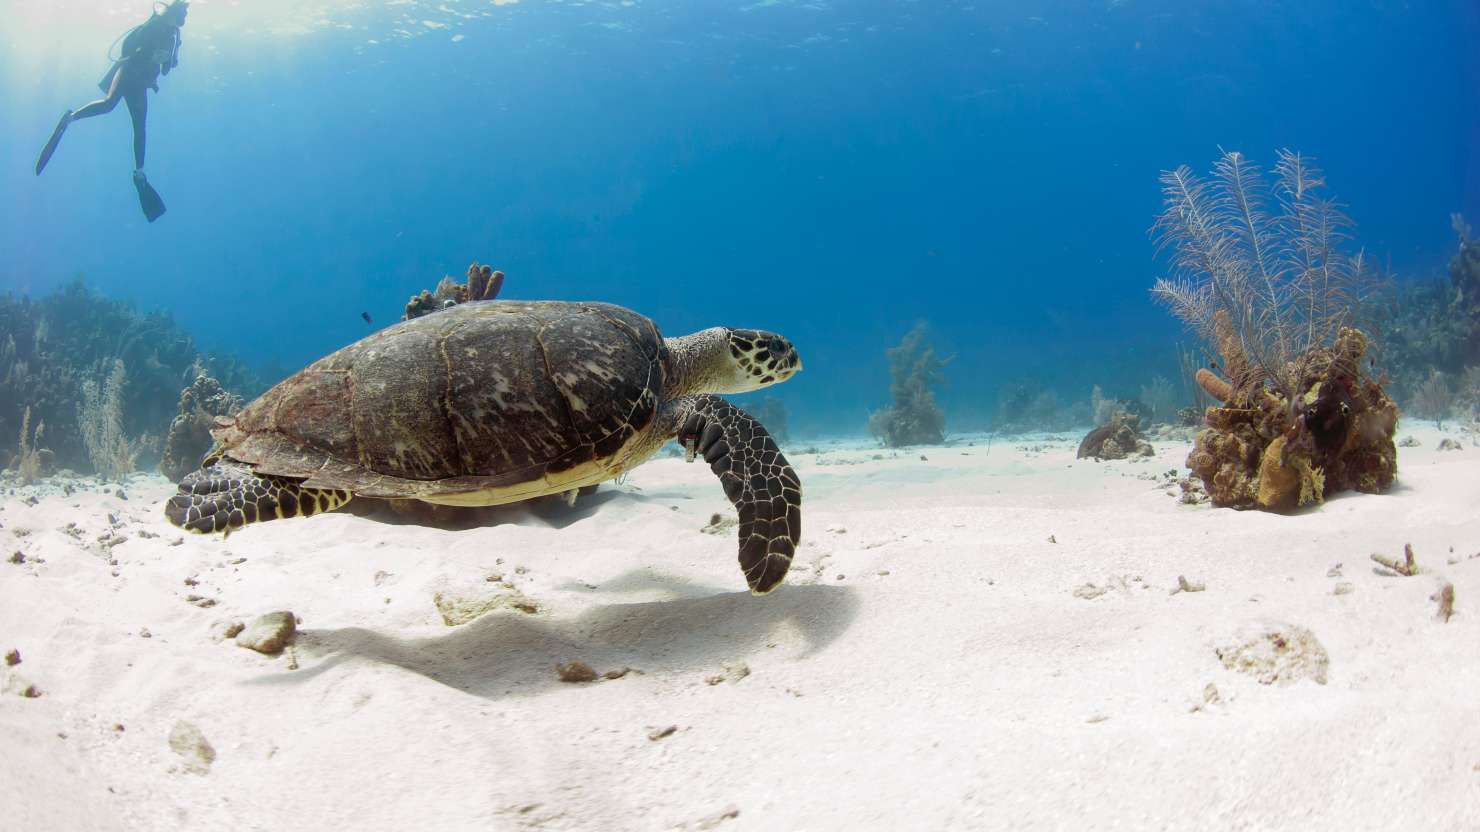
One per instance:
(1284,280)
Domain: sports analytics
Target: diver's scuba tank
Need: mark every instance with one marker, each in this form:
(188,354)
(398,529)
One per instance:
(115,62)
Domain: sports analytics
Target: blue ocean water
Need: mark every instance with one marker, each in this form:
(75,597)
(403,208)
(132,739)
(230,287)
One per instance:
(832,171)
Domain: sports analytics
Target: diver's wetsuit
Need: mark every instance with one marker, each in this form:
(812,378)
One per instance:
(136,73)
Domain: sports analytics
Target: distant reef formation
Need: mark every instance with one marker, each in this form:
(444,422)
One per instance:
(89,383)
(771,412)
(913,417)
(1277,293)
(483,283)
(1432,326)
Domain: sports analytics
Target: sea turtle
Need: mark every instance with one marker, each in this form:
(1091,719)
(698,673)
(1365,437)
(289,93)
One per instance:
(493,402)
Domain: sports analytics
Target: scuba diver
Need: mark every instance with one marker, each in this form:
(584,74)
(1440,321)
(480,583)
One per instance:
(149,50)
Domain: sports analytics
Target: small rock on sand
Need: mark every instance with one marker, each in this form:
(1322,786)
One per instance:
(732,674)
(713,821)
(1089,592)
(192,746)
(12,658)
(719,524)
(269,633)
(1444,597)
(223,630)
(1184,585)
(20,686)
(575,672)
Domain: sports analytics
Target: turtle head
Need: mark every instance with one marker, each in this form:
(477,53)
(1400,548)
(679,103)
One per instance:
(725,360)
(760,358)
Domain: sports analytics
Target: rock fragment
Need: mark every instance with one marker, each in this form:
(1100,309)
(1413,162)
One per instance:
(20,686)
(731,673)
(1444,597)
(223,630)
(1184,585)
(192,746)
(269,633)
(575,673)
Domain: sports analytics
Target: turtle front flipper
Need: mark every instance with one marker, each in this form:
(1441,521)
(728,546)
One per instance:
(227,495)
(757,479)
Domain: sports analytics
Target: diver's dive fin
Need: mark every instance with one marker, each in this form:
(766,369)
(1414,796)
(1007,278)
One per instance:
(51,144)
(148,197)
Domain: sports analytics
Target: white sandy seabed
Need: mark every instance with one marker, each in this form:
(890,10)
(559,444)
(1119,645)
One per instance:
(972,636)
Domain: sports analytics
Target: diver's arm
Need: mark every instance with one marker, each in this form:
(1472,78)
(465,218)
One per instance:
(174,60)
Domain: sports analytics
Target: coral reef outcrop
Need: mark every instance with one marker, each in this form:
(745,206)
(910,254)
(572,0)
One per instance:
(483,283)
(52,349)
(1278,295)
(1118,438)
(1261,450)
(189,436)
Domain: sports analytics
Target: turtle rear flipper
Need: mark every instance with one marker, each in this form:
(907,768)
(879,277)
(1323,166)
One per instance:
(227,495)
(757,479)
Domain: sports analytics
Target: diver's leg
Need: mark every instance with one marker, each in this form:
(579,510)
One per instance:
(138,110)
(104,104)
(95,108)
(51,144)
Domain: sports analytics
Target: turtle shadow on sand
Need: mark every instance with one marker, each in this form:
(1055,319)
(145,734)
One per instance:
(553,512)
(513,654)
(646,580)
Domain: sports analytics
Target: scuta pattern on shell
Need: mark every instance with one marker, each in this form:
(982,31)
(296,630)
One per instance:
(483,394)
